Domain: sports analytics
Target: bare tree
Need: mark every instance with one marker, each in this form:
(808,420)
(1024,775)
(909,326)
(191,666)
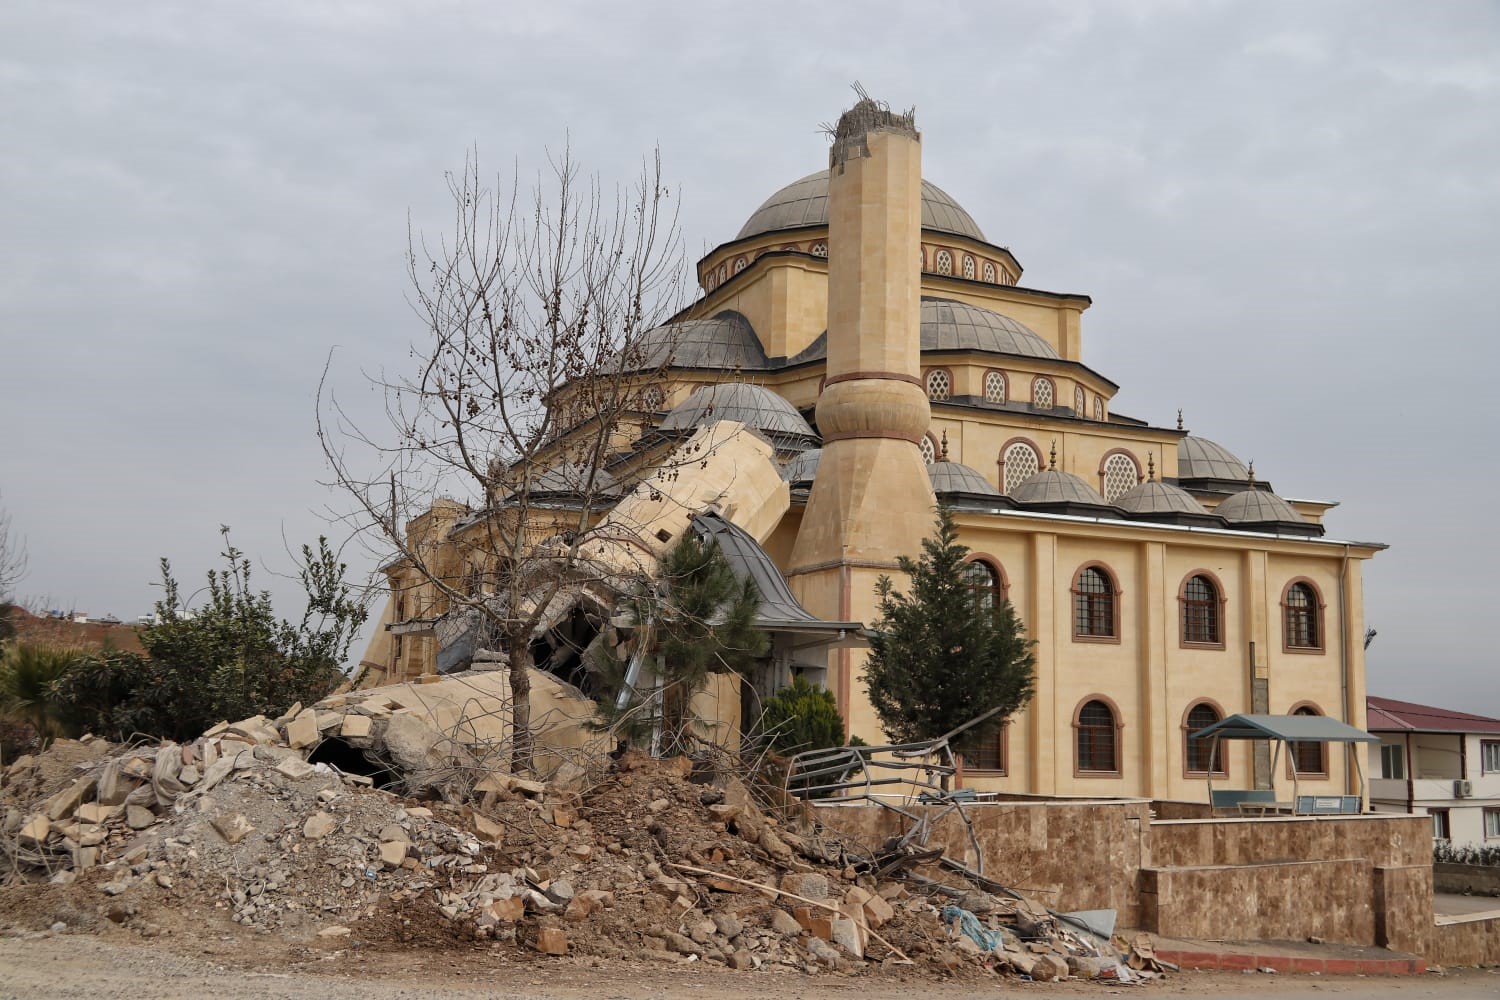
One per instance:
(12,558)
(535,357)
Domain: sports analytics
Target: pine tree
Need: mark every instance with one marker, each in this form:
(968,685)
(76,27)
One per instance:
(940,655)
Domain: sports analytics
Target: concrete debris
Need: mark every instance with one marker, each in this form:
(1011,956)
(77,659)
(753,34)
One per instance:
(629,862)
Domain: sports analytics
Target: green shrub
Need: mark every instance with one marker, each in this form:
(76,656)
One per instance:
(802,717)
(27,673)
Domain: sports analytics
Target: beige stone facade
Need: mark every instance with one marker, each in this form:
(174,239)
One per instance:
(1162,579)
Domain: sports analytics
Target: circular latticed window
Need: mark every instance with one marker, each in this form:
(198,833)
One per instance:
(1121,475)
(820,249)
(939,385)
(994,387)
(1021,463)
(1041,394)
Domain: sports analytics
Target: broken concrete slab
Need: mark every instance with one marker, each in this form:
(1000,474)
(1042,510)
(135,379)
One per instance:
(69,799)
(302,730)
(233,827)
(355,726)
(319,825)
(296,768)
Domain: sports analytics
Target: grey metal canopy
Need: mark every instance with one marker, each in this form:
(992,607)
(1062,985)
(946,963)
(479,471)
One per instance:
(1294,728)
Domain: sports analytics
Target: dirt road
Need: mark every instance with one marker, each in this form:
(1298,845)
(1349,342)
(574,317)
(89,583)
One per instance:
(82,967)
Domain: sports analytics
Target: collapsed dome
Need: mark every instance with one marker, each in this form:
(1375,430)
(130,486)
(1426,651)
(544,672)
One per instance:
(1053,486)
(754,406)
(1200,458)
(802,468)
(955,477)
(805,203)
(574,478)
(957,326)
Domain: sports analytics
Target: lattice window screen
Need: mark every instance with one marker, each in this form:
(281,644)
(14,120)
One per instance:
(989,272)
(994,387)
(944,262)
(1041,394)
(939,385)
(1021,463)
(1098,408)
(1080,403)
(820,249)
(968,267)
(1121,475)
(929,453)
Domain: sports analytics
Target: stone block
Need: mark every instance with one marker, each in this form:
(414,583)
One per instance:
(139,818)
(815,922)
(233,827)
(507,910)
(302,731)
(878,912)
(295,768)
(319,825)
(94,812)
(551,941)
(36,828)
(489,830)
(808,885)
(355,726)
(847,935)
(65,802)
(392,853)
(784,923)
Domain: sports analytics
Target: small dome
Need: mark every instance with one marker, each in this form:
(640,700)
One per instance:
(803,467)
(1056,486)
(955,477)
(752,405)
(571,477)
(1255,506)
(805,203)
(958,326)
(726,341)
(1200,458)
(1152,497)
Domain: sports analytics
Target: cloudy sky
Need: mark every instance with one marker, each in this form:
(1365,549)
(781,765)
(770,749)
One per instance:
(1286,215)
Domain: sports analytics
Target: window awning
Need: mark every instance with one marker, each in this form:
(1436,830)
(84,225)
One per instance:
(1298,728)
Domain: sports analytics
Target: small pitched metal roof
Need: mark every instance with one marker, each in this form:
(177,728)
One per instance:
(779,609)
(1406,716)
(1302,728)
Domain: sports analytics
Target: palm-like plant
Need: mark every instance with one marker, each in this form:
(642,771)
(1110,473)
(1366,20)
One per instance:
(27,672)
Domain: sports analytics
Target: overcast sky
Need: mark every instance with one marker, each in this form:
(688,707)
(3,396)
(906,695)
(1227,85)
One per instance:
(1286,215)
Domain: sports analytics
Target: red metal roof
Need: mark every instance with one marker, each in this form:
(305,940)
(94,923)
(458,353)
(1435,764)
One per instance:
(1388,714)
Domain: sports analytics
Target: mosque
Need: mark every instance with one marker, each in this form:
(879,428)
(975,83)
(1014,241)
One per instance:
(863,325)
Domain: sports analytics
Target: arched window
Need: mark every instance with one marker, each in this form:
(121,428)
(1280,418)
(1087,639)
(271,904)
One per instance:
(819,249)
(1201,604)
(1042,393)
(723,272)
(929,450)
(1098,738)
(1308,757)
(989,272)
(1098,408)
(1196,753)
(1021,462)
(994,387)
(984,583)
(1080,401)
(944,262)
(1121,475)
(651,399)
(939,384)
(968,267)
(1094,605)
(1302,614)
(740,264)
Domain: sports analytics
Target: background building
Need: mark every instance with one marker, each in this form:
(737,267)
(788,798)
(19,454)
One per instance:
(1436,760)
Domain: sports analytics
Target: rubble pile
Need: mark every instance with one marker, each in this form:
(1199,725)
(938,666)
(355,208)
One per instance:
(658,860)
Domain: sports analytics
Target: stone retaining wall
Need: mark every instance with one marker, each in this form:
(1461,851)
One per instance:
(1481,879)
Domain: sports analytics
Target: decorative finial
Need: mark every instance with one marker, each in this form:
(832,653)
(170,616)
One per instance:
(1150,468)
(945,447)
(1251,472)
(1054,455)
(1179,418)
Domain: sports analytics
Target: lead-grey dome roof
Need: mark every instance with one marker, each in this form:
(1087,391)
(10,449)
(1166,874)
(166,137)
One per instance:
(1056,486)
(957,326)
(805,203)
(571,477)
(1153,497)
(955,477)
(724,341)
(752,405)
(803,467)
(1255,506)
(1200,458)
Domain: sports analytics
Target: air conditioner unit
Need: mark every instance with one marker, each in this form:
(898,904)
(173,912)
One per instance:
(1463,788)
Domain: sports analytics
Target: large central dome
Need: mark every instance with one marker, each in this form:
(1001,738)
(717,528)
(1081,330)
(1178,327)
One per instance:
(805,203)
